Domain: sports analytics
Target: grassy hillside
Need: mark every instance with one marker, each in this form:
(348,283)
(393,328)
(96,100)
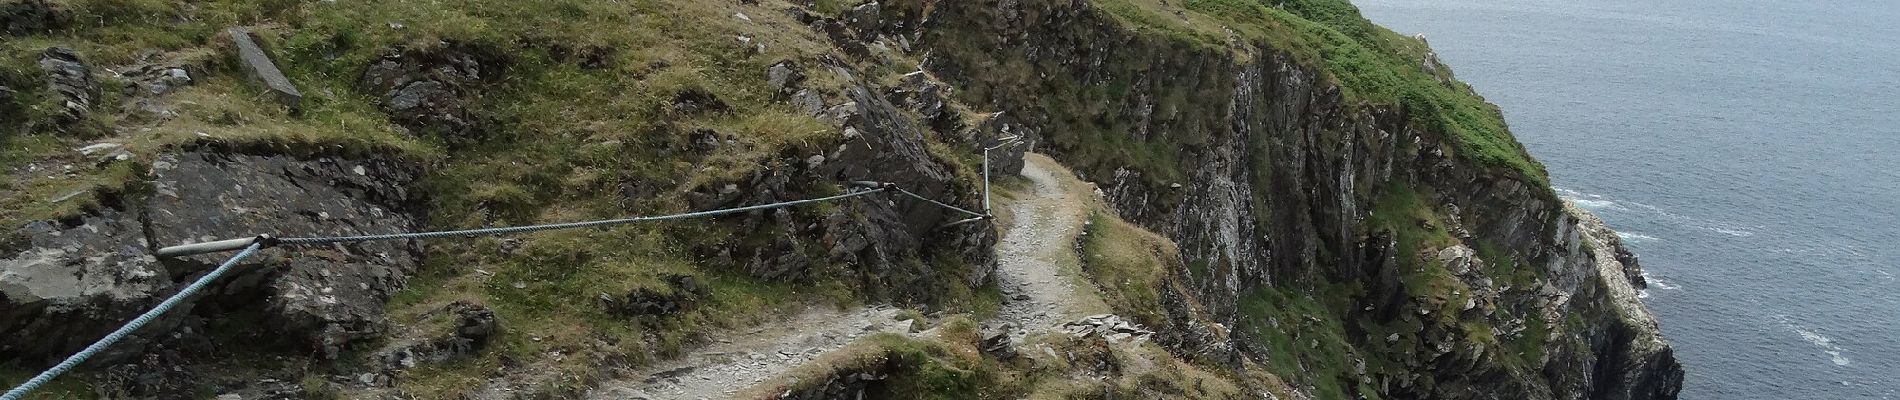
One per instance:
(575,122)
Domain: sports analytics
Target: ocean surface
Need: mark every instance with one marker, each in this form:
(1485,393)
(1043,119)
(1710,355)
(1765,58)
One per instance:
(1748,151)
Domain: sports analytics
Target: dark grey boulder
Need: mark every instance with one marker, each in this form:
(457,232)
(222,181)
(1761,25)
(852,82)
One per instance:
(428,92)
(324,296)
(66,284)
(930,99)
(784,77)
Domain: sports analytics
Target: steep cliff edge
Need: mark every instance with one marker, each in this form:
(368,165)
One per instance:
(1390,205)
(1313,206)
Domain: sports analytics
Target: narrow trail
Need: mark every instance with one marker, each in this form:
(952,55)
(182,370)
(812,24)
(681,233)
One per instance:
(1037,272)
(748,358)
(1037,264)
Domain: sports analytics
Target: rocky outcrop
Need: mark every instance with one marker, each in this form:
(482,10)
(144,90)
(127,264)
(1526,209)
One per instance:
(1634,361)
(684,294)
(471,326)
(70,78)
(150,80)
(429,92)
(27,17)
(891,148)
(1108,326)
(325,296)
(68,283)
(921,93)
(841,385)
(881,237)
(1268,176)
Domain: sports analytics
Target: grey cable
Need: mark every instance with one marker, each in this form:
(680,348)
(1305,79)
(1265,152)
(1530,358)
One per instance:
(938,203)
(570,225)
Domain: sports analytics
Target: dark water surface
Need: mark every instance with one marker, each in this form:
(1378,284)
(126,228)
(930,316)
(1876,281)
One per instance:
(1747,149)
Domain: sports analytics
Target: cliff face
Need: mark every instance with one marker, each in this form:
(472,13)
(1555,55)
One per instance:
(1446,277)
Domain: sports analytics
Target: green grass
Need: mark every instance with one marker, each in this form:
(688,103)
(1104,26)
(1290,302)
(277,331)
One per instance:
(1129,265)
(1303,336)
(834,7)
(69,386)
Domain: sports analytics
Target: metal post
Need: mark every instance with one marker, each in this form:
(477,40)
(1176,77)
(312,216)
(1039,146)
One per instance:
(986,181)
(1005,141)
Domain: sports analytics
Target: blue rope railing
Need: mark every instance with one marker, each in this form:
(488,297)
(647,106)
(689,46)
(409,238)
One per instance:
(146,318)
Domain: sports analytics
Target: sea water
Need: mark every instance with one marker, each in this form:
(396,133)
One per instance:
(1748,151)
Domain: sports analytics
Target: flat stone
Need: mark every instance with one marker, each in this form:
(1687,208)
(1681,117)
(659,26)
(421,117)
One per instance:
(98,147)
(69,195)
(257,64)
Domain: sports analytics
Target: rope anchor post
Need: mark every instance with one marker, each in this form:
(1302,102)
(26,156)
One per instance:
(213,247)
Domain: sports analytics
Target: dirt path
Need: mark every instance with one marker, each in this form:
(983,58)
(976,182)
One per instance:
(752,357)
(1037,263)
(1037,272)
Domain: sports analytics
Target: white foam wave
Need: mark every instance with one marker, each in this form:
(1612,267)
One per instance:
(1590,201)
(1597,205)
(1633,237)
(1818,340)
(1659,283)
(1595,202)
